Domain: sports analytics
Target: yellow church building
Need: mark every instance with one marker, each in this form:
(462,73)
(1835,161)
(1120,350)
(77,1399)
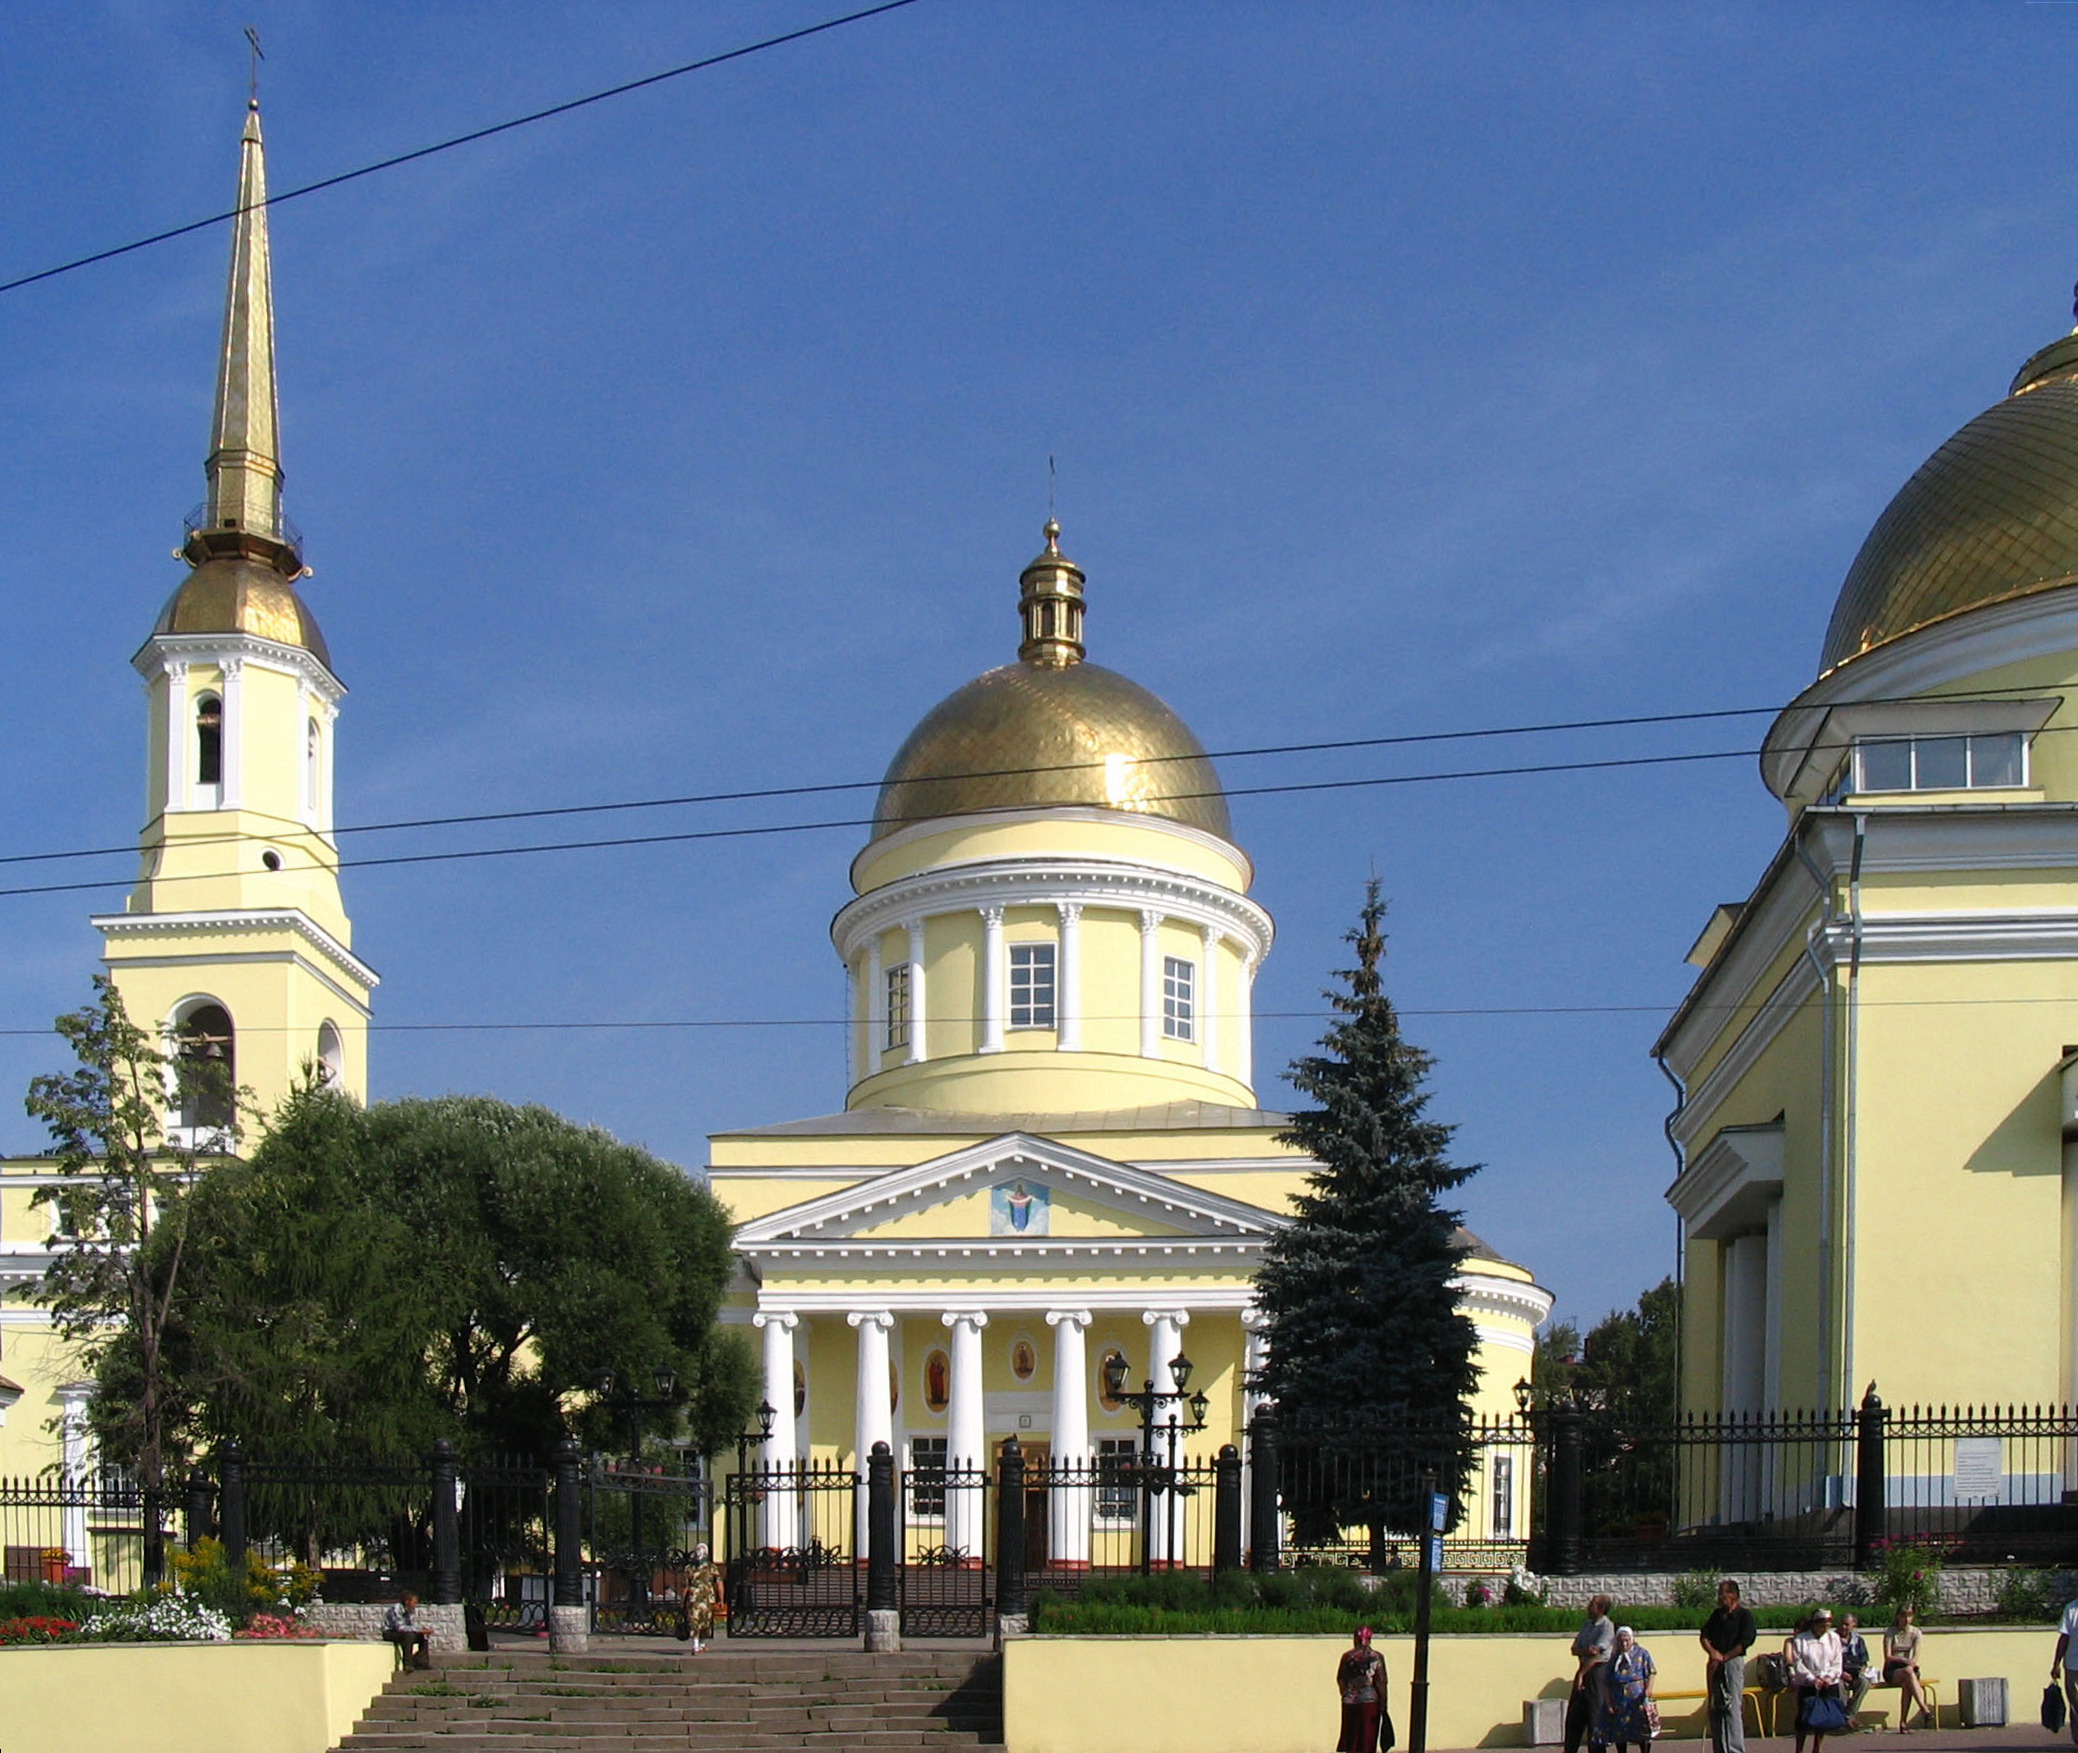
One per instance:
(1052,1156)
(1878,1179)
(235,941)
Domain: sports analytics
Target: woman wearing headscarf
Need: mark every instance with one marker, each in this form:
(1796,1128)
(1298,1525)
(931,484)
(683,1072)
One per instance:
(1360,1678)
(703,1591)
(1625,1712)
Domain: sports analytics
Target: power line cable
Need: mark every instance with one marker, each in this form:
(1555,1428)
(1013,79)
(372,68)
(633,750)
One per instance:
(470,138)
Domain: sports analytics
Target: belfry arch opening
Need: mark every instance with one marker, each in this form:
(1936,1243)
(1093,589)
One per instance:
(331,1056)
(206,1051)
(209,740)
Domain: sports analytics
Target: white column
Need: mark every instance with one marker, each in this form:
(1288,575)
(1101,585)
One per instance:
(1255,1351)
(966,1431)
(876,1010)
(781,1508)
(1164,1341)
(992,979)
(1069,1507)
(1150,983)
(917,1010)
(1068,998)
(234,734)
(1208,997)
(178,733)
(75,1437)
(1244,1014)
(874,1417)
(1745,1316)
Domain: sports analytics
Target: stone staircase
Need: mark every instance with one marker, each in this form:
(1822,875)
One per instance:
(729,1700)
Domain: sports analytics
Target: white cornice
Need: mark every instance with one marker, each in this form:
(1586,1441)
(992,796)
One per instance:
(194,648)
(1729,1183)
(1035,1251)
(1006,1299)
(240,922)
(930,829)
(1509,1298)
(1018,882)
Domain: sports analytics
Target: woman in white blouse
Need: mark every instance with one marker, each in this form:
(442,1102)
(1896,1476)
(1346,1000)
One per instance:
(1814,1671)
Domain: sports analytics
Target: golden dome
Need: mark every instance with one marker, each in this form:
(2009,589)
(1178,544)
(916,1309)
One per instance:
(242,596)
(1992,514)
(1032,734)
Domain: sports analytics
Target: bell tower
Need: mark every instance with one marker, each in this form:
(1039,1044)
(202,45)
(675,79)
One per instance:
(235,939)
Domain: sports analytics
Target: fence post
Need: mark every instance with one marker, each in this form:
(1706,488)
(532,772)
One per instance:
(883,1603)
(152,1514)
(1870,1482)
(444,1586)
(1010,1540)
(569,1624)
(195,1503)
(230,1505)
(1568,1489)
(1262,1484)
(1226,1510)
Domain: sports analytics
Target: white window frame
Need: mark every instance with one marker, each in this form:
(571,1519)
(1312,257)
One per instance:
(919,1463)
(1116,1505)
(1179,999)
(1503,1488)
(1856,778)
(1027,1009)
(900,984)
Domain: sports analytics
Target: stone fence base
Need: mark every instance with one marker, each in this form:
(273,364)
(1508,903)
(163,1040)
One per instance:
(363,1619)
(1972,1589)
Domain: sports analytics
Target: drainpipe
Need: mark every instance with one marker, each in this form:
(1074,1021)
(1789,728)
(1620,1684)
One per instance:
(1812,939)
(1854,993)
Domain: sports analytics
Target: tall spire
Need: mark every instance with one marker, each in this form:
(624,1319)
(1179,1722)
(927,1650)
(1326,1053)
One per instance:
(242,515)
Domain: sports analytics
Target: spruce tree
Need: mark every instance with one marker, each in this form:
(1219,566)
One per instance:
(1369,1357)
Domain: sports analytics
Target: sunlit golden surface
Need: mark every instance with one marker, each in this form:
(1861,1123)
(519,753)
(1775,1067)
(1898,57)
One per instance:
(1029,734)
(242,596)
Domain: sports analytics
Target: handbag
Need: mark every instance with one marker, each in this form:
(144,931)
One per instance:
(2053,1708)
(1387,1738)
(1822,1712)
(1652,1719)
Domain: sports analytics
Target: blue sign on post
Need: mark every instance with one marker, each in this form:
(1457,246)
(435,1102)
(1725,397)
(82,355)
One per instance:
(1439,1511)
(1435,1552)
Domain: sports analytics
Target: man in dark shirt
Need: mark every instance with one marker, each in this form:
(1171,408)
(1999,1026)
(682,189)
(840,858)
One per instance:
(1727,1635)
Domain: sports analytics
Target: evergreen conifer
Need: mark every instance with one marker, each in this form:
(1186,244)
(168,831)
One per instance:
(1364,1334)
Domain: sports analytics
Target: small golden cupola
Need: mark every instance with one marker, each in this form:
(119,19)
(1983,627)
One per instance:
(1049,599)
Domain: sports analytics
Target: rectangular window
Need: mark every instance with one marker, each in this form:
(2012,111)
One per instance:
(1953,763)
(1179,998)
(898,1006)
(1504,1497)
(1031,986)
(1118,1497)
(927,1477)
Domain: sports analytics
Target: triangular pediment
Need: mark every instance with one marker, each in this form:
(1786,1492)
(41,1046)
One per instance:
(1006,1189)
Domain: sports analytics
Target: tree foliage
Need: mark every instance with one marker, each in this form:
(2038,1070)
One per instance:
(121,1209)
(1628,1360)
(372,1279)
(1362,1316)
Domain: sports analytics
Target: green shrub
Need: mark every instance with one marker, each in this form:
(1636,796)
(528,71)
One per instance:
(1696,1589)
(43,1601)
(2028,1596)
(1911,1577)
(204,1574)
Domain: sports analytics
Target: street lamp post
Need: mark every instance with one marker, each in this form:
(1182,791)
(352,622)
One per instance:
(632,1406)
(1148,1402)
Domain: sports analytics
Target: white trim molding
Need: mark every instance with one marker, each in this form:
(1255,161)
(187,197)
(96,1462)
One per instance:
(163,651)
(241,922)
(1731,1182)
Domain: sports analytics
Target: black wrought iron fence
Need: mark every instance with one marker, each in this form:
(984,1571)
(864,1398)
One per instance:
(1985,1484)
(85,1530)
(644,1524)
(794,1554)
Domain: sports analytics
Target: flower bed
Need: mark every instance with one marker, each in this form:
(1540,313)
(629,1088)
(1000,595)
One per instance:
(35,1628)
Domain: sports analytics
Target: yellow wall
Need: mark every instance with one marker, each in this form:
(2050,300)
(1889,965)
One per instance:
(187,1698)
(1276,1694)
(1053,833)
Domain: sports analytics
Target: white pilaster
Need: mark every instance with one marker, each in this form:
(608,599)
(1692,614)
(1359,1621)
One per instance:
(75,1437)
(992,1005)
(1208,997)
(876,1009)
(781,1508)
(1255,1352)
(1068,998)
(918,1049)
(234,734)
(1244,1014)
(1164,1341)
(180,735)
(966,1446)
(874,1420)
(1069,1507)
(1150,983)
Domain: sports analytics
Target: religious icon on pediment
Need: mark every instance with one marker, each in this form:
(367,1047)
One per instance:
(1019,1208)
(1024,1361)
(937,1381)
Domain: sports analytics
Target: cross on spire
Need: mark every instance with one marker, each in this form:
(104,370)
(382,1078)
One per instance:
(253,60)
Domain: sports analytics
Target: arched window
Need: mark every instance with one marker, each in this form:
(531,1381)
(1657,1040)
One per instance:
(209,740)
(331,1055)
(207,1052)
(310,769)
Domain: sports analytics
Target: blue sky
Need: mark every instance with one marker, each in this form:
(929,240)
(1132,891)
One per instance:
(1408,368)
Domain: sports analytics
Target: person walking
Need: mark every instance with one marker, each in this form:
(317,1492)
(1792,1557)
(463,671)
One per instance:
(1593,1645)
(1815,1673)
(1628,1717)
(1854,1667)
(1360,1678)
(1901,1669)
(2066,1629)
(703,1592)
(1726,1637)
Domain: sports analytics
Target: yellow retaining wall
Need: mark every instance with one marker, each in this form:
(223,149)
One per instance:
(1277,1694)
(187,1698)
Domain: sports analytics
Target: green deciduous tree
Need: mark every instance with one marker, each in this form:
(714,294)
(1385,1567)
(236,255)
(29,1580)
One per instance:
(1363,1324)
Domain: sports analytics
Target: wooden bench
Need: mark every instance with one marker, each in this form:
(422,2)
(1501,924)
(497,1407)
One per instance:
(1932,1689)
(1757,1696)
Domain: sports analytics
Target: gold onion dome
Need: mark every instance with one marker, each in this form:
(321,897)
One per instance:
(242,596)
(1991,515)
(1052,731)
